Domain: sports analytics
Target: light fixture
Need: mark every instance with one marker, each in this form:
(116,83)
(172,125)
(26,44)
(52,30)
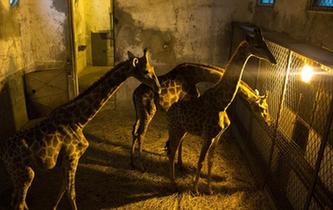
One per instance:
(307,73)
(13,2)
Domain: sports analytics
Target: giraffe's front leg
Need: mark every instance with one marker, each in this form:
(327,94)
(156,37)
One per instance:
(175,137)
(62,189)
(72,156)
(180,159)
(210,162)
(70,181)
(203,152)
(22,178)
(144,117)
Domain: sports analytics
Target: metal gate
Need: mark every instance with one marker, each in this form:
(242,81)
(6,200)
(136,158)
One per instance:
(296,151)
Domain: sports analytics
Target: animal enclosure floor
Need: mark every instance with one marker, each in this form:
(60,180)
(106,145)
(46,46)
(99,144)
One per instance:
(105,179)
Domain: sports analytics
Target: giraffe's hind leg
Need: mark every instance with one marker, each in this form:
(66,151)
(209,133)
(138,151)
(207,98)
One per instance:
(175,138)
(144,115)
(207,143)
(22,179)
(210,158)
(192,92)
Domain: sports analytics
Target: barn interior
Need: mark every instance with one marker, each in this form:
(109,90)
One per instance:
(276,153)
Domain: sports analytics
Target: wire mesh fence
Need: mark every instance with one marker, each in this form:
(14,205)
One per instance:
(297,149)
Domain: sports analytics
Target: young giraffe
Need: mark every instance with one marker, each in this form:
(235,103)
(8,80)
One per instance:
(60,134)
(180,84)
(206,116)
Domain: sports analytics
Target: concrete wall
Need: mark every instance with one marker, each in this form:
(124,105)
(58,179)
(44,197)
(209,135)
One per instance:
(293,18)
(15,53)
(177,31)
(31,34)
(97,15)
(32,37)
(89,16)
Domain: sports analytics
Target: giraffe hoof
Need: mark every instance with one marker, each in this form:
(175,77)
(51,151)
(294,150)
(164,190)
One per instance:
(141,168)
(210,191)
(196,191)
(181,167)
(138,167)
(132,165)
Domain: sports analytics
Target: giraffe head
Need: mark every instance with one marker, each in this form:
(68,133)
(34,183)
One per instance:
(258,47)
(142,70)
(261,107)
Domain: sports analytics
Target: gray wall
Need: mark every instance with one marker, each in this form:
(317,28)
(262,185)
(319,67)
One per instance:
(32,37)
(177,31)
(293,18)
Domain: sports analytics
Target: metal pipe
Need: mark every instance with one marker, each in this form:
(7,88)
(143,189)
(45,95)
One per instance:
(73,76)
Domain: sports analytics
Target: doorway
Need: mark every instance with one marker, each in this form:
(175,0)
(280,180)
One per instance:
(93,40)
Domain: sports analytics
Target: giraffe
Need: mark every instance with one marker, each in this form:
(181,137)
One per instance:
(60,134)
(206,115)
(176,85)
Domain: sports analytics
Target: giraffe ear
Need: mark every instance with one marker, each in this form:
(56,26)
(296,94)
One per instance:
(135,62)
(130,55)
(257,92)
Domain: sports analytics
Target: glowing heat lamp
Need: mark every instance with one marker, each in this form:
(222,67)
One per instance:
(307,73)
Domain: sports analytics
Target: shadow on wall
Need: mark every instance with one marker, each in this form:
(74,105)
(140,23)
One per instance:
(13,114)
(9,26)
(129,33)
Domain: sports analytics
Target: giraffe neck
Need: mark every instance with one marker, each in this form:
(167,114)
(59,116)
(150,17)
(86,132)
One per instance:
(84,107)
(195,72)
(222,94)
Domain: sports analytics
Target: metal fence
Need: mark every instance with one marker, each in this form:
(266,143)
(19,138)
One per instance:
(296,150)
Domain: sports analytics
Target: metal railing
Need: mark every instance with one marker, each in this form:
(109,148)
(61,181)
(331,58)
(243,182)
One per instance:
(296,151)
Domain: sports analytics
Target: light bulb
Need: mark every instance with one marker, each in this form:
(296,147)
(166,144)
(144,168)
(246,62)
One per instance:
(307,73)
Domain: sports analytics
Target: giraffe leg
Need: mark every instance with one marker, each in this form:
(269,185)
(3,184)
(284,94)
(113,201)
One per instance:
(134,140)
(62,189)
(70,161)
(202,156)
(175,137)
(144,116)
(70,181)
(180,160)
(210,162)
(22,182)
(180,154)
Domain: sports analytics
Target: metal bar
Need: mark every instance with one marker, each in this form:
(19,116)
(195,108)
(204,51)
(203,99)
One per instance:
(74,75)
(231,39)
(114,45)
(279,113)
(320,157)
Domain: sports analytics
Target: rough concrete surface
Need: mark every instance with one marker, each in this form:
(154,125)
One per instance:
(177,31)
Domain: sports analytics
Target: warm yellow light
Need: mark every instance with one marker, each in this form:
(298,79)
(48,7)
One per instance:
(307,73)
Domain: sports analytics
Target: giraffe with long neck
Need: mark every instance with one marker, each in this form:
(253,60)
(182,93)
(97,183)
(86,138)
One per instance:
(177,85)
(206,115)
(60,133)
